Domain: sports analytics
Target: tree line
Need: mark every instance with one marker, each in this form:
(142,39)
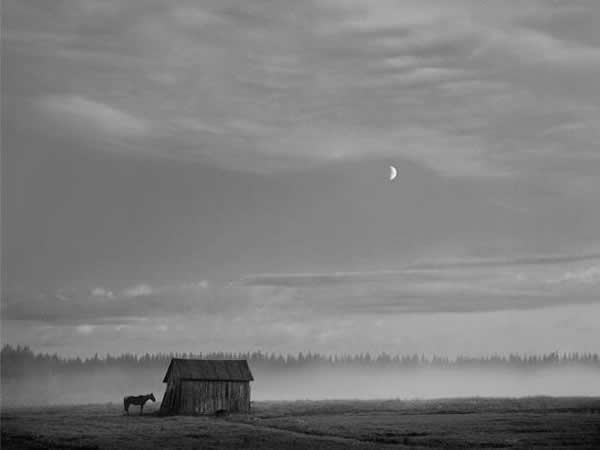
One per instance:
(21,361)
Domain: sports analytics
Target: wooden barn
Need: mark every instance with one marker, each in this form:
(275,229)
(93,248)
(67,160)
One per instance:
(202,386)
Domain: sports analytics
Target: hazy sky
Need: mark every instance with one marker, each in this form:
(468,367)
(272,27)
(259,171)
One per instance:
(212,175)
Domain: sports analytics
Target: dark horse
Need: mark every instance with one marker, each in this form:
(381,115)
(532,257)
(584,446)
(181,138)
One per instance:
(137,400)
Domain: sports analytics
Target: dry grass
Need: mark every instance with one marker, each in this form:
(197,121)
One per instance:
(467,423)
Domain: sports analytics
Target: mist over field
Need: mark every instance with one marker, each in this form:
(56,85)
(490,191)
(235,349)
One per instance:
(425,384)
(29,379)
(110,386)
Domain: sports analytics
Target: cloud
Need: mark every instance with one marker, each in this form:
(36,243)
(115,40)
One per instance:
(443,286)
(527,260)
(588,275)
(123,307)
(416,269)
(78,112)
(139,290)
(462,89)
(85,329)
(296,311)
(442,152)
(532,46)
(202,284)
(562,328)
(101,292)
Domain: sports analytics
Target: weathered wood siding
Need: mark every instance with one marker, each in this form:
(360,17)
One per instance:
(206,397)
(171,398)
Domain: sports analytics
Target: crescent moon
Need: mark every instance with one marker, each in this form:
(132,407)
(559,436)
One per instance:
(393,173)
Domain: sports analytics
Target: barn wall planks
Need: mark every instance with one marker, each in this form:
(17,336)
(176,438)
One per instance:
(206,397)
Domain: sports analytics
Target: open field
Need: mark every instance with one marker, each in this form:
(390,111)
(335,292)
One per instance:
(487,423)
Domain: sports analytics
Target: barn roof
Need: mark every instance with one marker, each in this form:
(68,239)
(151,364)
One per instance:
(209,369)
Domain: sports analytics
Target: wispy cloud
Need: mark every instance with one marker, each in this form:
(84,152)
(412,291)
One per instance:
(256,87)
(85,329)
(139,290)
(101,305)
(586,275)
(101,292)
(442,286)
(526,260)
(420,268)
(77,111)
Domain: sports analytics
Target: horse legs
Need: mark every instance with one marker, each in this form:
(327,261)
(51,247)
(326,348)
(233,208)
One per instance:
(142,409)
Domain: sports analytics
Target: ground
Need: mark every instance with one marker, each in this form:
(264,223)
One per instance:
(461,423)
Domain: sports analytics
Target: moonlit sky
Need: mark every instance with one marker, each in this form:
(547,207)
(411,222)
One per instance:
(213,175)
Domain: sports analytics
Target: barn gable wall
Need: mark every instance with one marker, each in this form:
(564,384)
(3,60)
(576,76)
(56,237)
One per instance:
(207,397)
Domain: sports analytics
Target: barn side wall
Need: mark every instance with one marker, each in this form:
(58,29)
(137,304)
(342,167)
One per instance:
(170,399)
(207,397)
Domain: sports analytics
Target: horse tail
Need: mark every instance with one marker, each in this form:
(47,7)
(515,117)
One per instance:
(125,404)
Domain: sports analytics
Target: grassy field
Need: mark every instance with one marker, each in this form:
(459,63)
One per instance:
(460,423)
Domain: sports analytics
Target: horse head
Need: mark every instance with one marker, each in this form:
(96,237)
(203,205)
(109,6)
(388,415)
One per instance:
(152,397)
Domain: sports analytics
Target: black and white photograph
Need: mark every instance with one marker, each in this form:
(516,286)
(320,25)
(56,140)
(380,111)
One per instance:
(300,224)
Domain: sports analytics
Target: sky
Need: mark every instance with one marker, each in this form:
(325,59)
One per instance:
(213,176)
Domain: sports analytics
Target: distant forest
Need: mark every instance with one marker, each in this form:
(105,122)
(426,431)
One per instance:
(18,362)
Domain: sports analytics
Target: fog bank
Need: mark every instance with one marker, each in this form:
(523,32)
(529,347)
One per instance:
(426,384)
(110,385)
